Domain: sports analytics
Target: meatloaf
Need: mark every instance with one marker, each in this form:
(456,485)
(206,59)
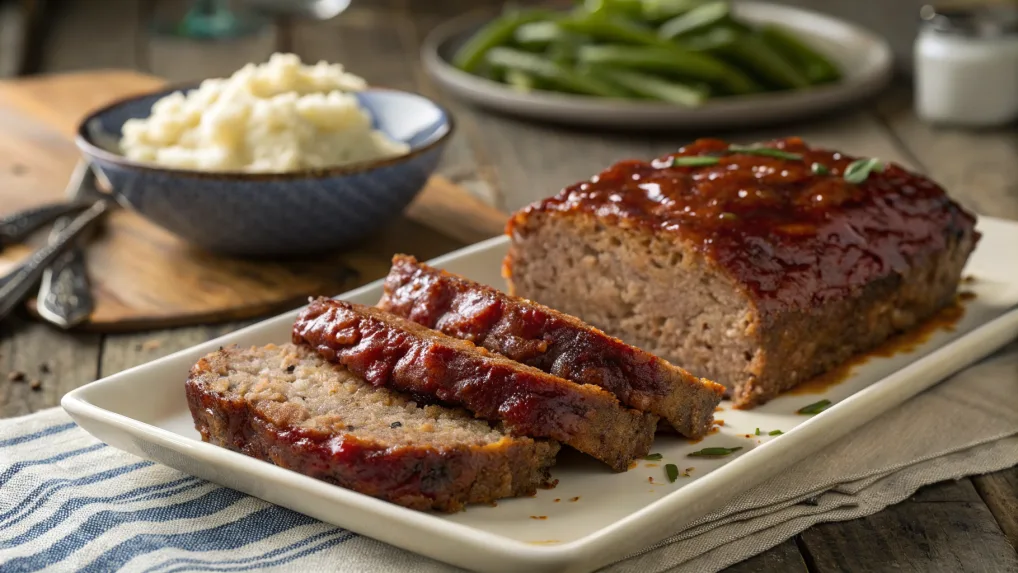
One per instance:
(548,340)
(288,406)
(758,267)
(390,351)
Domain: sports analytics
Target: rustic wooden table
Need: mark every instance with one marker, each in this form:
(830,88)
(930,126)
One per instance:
(965,525)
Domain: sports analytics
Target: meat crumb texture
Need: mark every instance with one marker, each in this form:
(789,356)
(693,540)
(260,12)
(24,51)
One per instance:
(390,351)
(539,336)
(288,406)
(754,270)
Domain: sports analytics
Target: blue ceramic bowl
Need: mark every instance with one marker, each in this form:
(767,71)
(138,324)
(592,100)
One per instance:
(275,214)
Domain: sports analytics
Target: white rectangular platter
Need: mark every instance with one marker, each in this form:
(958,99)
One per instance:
(143,411)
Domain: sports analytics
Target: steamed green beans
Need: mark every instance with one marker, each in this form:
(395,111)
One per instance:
(678,51)
(817,68)
(670,61)
(496,33)
(653,87)
(547,70)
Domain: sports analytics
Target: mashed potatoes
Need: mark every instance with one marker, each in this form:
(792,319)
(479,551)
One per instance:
(275,117)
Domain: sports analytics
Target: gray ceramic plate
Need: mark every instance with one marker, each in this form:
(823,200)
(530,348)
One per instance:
(864,57)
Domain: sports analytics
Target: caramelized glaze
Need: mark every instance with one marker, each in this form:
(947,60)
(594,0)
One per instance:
(792,238)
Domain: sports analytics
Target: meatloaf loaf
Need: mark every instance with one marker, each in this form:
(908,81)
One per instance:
(756,268)
(390,351)
(548,340)
(288,406)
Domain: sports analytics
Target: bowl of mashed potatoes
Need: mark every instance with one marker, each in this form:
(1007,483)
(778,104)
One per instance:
(279,158)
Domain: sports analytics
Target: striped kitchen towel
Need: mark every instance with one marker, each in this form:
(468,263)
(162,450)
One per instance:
(70,503)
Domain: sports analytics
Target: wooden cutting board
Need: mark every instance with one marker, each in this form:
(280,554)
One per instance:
(142,276)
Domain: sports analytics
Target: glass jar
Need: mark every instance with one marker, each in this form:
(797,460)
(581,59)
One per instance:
(966,65)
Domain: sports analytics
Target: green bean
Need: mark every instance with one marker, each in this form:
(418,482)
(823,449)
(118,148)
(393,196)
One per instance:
(754,54)
(558,75)
(497,32)
(658,11)
(649,11)
(713,40)
(564,51)
(602,27)
(815,66)
(672,60)
(655,87)
(697,20)
(519,80)
(538,35)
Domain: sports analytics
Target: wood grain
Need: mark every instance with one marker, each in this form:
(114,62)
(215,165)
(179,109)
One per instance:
(493,156)
(144,277)
(784,557)
(978,168)
(947,529)
(1000,493)
(61,361)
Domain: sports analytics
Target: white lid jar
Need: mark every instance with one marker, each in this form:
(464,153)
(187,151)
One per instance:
(966,65)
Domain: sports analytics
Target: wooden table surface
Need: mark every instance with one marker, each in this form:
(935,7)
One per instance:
(965,525)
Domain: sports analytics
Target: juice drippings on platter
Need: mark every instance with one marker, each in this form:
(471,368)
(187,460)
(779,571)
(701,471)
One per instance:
(903,343)
(711,431)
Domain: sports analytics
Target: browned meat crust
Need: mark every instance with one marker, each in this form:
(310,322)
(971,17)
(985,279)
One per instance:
(755,271)
(390,351)
(550,341)
(288,406)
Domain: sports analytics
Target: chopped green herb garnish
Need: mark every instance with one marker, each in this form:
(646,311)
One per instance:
(819,169)
(694,161)
(775,433)
(765,151)
(758,431)
(860,169)
(672,471)
(714,452)
(815,407)
(653,457)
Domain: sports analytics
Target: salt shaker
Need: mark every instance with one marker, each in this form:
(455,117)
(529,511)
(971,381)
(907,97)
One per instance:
(966,65)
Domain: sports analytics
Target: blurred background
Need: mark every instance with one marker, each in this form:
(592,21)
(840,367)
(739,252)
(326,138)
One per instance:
(182,40)
(62,35)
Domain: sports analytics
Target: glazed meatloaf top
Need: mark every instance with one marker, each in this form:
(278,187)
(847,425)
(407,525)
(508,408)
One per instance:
(288,405)
(551,341)
(796,226)
(388,350)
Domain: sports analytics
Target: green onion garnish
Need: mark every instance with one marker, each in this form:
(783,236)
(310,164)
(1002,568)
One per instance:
(714,452)
(765,151)
(775,433)
(653,457)
(815,407)
(758,431)
(819,169)
(672,471)
(860,169)
(694,161)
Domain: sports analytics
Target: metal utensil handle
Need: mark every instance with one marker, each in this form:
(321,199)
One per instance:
(17,226)
(16,285)
(65,296)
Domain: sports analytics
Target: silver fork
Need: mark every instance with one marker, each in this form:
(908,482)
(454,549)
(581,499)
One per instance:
(65,295)
(19,282)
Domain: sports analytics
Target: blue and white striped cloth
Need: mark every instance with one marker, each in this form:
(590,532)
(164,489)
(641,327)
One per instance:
(71,503)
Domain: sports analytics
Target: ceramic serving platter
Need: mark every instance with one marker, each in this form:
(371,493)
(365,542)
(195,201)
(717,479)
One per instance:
(865,59)
(593,517)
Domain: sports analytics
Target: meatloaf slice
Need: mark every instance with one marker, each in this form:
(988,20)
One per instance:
(287,405)
(390,351)
(548,340)
(756,269)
